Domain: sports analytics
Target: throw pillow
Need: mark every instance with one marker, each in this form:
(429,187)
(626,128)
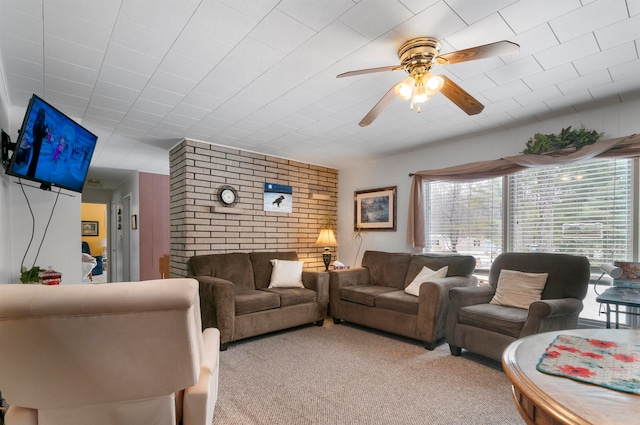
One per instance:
(286,274)
(425,275)
(519,289)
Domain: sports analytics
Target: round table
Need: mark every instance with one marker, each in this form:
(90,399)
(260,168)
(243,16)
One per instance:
(546,399)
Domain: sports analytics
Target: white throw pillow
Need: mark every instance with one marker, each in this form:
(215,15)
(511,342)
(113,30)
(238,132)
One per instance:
(425,275)
(286,274)
(519,289)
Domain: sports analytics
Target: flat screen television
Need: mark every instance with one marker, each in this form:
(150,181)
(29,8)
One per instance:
(51,148)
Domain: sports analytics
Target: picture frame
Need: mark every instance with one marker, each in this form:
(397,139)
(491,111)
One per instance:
(90,228)
(376,209)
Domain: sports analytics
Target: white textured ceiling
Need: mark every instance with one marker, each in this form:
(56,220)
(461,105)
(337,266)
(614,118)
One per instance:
(260,75)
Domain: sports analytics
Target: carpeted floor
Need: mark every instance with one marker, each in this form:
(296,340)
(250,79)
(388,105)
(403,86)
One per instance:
(346,374)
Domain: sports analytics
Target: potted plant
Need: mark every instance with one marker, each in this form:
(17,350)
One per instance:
(30,275)
(358,234)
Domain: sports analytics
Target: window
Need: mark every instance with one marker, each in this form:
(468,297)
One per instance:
(585,208)
(466,218)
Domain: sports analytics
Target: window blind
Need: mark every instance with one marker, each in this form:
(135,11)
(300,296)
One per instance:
(583,208)
(465,218)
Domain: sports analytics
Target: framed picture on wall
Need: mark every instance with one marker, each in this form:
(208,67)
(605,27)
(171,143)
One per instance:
(375,209)
(89,228)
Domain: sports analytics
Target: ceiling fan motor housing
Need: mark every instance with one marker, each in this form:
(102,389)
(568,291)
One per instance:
(419,53)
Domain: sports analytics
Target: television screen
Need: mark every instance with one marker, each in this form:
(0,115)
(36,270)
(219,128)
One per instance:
(52,148)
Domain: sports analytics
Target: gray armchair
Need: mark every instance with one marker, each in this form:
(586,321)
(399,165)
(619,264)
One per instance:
(473,323)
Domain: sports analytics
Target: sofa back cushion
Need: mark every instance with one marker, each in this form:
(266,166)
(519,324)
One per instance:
(261,265)
(234,267)
(459,265)
(387,268)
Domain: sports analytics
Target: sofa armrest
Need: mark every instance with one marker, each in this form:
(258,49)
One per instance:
(553,314)
(318,282)
(433,304)
(339,279)
(217,305)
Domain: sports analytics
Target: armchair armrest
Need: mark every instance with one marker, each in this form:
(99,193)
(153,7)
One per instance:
(318,282)
(217,305)
(199,401)
(21,415)
(433,304)
(463,296)
(553,314)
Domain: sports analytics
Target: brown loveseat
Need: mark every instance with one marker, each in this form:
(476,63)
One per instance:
(235,296)
(375,296)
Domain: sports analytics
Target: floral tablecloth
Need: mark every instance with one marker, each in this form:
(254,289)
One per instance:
(605,363)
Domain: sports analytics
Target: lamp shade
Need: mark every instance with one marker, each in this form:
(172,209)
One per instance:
(326,238)
(404,88)
(613,271)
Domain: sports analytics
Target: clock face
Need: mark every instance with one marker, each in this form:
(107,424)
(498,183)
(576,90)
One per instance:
(227,196)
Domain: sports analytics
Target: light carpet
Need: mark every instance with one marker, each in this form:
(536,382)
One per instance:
(346,374)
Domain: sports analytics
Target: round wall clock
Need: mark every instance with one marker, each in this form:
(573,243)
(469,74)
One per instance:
(227,196)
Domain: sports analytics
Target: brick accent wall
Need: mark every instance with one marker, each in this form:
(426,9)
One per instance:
(200,225)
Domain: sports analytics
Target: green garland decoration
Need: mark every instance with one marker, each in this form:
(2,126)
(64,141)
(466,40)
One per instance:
(568,138)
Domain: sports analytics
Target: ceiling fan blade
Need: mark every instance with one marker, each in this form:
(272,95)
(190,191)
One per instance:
(375,111)
(370,71)
(460,97)
(499,48)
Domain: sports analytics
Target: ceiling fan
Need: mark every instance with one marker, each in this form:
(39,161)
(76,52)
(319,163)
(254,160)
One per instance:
(417,57)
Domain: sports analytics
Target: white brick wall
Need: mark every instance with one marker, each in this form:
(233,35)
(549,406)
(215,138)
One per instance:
(199,169)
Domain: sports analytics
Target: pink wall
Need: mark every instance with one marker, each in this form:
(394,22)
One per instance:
(153,223)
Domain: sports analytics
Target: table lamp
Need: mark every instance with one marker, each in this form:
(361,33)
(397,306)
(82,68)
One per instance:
(613,271)
(103,245)
(327,239)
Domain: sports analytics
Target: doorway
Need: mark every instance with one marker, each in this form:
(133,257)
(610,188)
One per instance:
(95,240)
(126,239)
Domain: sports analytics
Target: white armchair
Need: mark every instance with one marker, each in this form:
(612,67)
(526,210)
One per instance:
(120,353)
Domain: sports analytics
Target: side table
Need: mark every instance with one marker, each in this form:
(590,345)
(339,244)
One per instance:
(617,296)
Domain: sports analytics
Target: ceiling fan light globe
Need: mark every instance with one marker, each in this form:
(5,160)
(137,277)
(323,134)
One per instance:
(404,88)
(434,84)
(420,94)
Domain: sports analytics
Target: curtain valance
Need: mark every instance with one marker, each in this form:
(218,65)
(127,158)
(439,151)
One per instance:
(621,147)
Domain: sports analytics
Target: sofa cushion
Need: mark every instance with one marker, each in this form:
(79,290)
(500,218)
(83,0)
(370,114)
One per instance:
(387,268)
(494,318)
(234,267)
(425,275)
(293,296)
(363,294)
(459,265)
(286,274)
(398,301)
(253,301)
(519,289)
(261,265)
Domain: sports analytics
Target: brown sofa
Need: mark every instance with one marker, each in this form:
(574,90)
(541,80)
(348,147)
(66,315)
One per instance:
(374,295)
(235,298)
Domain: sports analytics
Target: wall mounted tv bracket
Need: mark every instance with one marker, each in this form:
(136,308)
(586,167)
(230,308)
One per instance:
(6,147)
